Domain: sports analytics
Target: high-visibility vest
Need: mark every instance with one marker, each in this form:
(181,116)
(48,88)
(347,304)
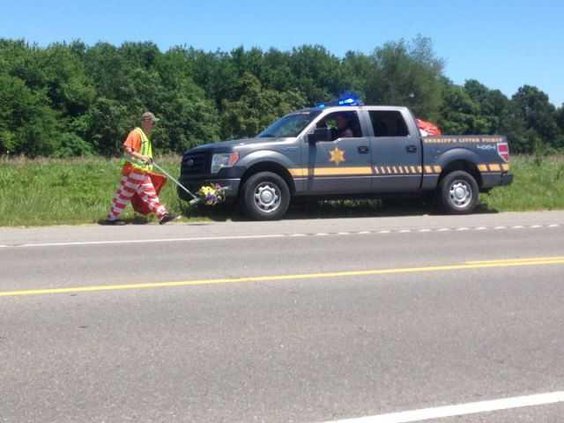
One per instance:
(146,150)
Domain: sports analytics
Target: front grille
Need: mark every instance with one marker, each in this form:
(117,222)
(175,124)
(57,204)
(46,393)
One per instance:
(196,163)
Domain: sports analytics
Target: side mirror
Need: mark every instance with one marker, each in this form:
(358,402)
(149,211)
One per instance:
(319,134)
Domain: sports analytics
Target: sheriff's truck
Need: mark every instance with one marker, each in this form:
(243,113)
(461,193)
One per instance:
(382,153)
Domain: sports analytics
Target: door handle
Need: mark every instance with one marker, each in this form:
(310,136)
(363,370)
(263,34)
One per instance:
(363,149)
(411,148)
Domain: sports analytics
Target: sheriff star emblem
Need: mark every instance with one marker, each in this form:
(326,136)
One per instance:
(337,156)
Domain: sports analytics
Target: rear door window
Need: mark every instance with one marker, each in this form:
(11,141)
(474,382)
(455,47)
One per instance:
(388,124)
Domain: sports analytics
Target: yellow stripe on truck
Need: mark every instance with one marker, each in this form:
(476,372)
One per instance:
(493,167)
(298,173)
(331,171)
(381,170)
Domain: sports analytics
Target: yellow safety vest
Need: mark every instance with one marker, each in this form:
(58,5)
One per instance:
(146,150)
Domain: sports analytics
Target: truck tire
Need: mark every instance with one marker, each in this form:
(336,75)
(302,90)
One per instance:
(458,193)
(266,196)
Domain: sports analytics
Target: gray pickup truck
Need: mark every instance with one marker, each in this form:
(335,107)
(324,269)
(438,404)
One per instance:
(348,151)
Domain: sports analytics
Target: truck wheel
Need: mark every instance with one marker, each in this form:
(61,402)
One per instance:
(458,193)
(266,196)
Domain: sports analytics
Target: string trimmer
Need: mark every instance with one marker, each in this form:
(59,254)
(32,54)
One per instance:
(195,198)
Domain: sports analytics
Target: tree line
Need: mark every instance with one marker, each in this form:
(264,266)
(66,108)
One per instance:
(70,99)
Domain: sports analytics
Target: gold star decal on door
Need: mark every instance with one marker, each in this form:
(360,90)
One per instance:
(337,156)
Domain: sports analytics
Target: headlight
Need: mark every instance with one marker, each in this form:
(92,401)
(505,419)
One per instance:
(219,161)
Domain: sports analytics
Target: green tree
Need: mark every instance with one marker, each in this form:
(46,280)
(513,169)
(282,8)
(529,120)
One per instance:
(459,113)
(27,125)
(360,74)
(256,107)
(189,118)
(72,99)
(318,74)
(539,115)
(216,74)
(276,72)
(493,107)
(107,124)
(408,74)
(69,89)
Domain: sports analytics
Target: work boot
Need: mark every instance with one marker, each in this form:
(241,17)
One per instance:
(167,218)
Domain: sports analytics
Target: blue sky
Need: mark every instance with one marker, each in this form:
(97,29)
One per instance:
(502,43)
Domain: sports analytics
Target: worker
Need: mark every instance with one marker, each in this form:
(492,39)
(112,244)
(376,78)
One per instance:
(138,157)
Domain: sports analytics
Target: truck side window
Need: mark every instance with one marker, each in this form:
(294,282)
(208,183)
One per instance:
(342,125)
(388,124)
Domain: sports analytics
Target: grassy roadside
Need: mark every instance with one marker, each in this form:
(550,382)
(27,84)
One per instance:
(538,185)
(73,191)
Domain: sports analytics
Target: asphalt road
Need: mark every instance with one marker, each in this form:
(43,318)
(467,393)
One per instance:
(298,320)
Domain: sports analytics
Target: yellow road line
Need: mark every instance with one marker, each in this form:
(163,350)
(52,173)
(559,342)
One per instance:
(518,260)
(273,278)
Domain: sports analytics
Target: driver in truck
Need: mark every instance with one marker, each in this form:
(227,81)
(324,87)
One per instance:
(343,126)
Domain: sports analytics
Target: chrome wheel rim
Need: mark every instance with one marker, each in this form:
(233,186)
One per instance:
(460,194)
(267,197)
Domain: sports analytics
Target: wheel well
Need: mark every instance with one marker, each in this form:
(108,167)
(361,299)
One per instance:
(270,167)
(465,166)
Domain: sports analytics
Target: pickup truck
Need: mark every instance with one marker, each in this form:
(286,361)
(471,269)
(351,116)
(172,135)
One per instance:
(382,153)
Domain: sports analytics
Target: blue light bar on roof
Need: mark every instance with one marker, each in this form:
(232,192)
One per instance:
(348,98)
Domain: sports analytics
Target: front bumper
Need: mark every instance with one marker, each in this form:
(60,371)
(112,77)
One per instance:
(231,186)
(195,172)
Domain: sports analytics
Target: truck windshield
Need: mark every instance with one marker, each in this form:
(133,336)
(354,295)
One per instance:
(290,125)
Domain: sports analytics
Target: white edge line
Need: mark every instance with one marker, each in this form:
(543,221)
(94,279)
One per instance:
(240,237)
(148,241)
(461,409)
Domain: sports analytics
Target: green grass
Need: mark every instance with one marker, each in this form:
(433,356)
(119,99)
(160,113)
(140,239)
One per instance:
(50,191)
(537,185)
